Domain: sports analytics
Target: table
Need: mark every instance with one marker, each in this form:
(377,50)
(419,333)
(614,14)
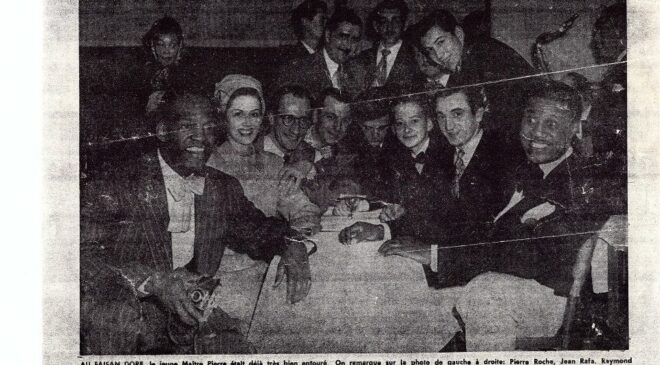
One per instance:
(359,302)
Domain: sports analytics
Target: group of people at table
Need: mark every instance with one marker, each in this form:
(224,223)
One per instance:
(485,187)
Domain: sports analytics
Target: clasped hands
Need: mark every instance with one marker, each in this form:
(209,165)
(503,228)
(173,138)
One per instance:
(405,246)
(171,287)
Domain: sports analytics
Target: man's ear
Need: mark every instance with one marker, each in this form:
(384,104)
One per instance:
(161,131)
(429,124)
(460,34)
(479,114)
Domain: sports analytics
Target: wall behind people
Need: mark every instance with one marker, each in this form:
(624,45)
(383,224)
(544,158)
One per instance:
(227,23)
(518,23)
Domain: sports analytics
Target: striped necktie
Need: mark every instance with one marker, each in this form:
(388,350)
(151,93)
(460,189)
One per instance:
(381,75)
(460,168)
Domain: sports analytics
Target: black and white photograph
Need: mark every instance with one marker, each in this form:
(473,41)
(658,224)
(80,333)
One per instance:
(350,177)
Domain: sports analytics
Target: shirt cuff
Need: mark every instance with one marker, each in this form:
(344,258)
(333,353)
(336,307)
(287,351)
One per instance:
(434,258)
(142,289)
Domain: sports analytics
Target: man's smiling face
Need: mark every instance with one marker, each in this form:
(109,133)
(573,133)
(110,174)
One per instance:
(189,141)
(547,129)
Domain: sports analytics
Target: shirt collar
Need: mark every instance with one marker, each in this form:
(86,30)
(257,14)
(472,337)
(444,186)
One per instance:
(622,55)
(549,166)
(177,185)
(270,146)
(425,146)
(332,65)
(471,146)
(307,47)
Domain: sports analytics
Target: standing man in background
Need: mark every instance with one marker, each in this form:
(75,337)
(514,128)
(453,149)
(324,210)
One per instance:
(390,60)
(308,21)
(323,69)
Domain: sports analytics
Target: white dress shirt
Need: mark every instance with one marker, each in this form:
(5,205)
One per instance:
(470,147)
(181,208)
(308,48)
(333,67)
(537,212)
(270,146)
(518,196)
(394,51)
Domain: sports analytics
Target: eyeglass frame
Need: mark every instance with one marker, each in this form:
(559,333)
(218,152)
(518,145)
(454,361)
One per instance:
(288,119)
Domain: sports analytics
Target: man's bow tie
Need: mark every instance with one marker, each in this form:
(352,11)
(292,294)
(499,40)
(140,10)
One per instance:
(191,184)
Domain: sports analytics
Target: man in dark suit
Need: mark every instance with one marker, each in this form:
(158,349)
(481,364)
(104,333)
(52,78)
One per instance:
(530,247)
(323,70)
(479,162)
(391,60)
(308,22)
(476,60)
(153,230)
(419,189)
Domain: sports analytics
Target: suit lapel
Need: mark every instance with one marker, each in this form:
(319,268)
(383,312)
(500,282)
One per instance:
(155,206)
(209,228)
(319,61)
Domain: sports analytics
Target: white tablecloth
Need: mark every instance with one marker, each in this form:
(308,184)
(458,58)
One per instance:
(359,302)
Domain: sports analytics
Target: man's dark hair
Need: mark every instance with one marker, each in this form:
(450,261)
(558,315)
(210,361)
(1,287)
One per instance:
(307,10)
(333,93)
(343,15)
(439,17)
(613,16)
(399,5)
(560,93)
(165,25)
(477,24)
(297,91)
(375,103)
(169,110)
(475,96)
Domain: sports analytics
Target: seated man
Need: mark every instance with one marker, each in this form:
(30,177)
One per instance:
(518,267)
(418,175)
(290,119)
(334,159)
(373,139)
(153,232)
(479,163)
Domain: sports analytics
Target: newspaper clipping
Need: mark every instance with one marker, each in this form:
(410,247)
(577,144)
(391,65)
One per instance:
(328,182)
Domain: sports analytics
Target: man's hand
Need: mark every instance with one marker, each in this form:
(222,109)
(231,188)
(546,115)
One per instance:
(170,289)
(361,231)
(295,265)
(391,212)
(291,176)
(408,247)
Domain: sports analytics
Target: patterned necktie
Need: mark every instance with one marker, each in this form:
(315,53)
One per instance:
(381,69)
(460,167)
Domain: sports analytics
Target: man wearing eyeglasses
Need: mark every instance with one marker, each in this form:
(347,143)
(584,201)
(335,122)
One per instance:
(391,60)
(290,122)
